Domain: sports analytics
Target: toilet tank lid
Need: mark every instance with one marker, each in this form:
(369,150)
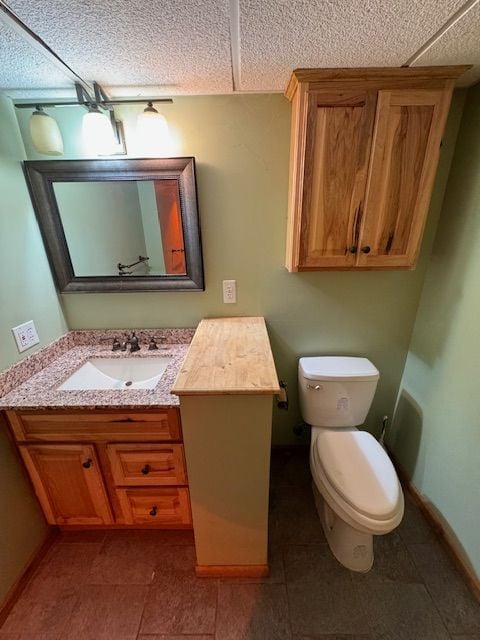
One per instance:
(337,367)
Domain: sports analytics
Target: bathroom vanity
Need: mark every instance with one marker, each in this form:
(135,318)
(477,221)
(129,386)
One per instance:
(107,467)
(103,457)
(195,452)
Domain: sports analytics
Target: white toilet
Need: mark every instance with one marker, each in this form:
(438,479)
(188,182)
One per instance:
(356,488)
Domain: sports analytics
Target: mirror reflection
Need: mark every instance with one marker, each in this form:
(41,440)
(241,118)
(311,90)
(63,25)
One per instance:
(122,227)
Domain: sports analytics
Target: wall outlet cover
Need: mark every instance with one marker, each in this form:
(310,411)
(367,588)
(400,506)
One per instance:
(25,335)
(229,291)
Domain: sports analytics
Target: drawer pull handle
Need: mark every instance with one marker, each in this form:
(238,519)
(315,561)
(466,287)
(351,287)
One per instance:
(87,464)
(153,510)
(366,249)
(125,420)
(146,469)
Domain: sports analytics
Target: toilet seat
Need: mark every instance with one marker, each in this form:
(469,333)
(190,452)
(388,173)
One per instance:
(357,479)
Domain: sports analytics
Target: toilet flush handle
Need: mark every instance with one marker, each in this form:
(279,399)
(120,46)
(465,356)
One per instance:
(316,387)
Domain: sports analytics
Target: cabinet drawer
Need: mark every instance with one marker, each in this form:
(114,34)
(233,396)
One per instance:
(164,507)
(87,425)
(143,464)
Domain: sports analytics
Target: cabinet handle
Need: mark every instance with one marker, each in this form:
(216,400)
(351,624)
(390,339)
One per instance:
(87,464)
(146,469)
(353,249)
(366,249)
(153,510)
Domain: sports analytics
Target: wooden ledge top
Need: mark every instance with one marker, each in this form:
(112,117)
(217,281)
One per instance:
(390,75)
(228,356)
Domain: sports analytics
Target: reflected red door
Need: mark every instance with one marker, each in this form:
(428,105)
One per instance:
(169,215)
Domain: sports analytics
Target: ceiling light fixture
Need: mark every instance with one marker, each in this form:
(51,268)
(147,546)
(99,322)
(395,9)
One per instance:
(152,129)
(97,133)
(45,133)
(98,106)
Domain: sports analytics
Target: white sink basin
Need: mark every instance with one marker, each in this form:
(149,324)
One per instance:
(117,373)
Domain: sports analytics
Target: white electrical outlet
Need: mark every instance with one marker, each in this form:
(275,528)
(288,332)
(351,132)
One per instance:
(25,335)
(229,291)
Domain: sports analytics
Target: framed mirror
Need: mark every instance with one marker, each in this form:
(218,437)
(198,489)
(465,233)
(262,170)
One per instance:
(119,225)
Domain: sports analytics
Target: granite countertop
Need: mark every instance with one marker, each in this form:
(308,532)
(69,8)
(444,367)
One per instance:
(39,391)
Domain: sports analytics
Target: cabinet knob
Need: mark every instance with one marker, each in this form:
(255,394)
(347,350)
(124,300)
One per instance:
(366,249)
(146,470)
(87,464)
(153,510)
(353,249)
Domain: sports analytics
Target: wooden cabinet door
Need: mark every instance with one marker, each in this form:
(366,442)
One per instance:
(406,142)
(68,483)
(339,129)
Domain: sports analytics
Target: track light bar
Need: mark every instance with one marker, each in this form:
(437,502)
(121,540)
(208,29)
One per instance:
(84,99)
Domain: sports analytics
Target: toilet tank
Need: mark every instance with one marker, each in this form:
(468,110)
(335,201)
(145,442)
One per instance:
(336,391)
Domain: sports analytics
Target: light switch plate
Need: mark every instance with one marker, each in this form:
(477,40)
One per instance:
(25,335)
(229,291)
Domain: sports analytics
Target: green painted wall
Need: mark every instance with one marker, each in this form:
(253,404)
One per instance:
(241,144)
(102,223)
(436,432)
(26,293)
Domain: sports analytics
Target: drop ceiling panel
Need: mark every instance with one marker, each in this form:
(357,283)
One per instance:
(177,46)
(277,36)
(22,66)
(459,45)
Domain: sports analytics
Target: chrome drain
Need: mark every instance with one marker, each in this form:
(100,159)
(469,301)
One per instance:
(128,384)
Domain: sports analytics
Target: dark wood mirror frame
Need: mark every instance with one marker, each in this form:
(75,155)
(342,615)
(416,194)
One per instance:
(41,176)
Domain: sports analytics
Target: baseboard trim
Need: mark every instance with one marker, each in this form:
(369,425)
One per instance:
(439,528)
(8,602)
(232,571)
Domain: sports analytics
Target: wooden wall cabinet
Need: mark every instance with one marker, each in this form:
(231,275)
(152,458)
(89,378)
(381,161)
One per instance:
(364,151)
(110,468)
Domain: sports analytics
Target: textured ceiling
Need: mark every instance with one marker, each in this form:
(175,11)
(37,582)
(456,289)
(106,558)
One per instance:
(184,44)
(22,66)
(353,33)
(154,47)
(460,44)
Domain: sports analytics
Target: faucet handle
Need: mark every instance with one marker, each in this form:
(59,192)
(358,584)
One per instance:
(152,345)
(116,346)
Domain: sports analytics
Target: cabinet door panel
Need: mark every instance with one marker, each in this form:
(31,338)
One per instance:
(406,142)
(68,483)
(336,160)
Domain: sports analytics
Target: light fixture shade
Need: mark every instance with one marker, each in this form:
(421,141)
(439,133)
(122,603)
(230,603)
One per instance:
(45,134)
(97,133)
(152,131)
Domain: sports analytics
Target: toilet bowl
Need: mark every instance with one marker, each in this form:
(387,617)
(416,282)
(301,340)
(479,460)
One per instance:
(356,488)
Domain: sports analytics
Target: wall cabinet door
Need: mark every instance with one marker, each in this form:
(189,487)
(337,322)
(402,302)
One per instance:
(363,157)
(68,483)
(339,130)
(406,143)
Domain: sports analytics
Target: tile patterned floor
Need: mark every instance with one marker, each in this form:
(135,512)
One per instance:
(133,585)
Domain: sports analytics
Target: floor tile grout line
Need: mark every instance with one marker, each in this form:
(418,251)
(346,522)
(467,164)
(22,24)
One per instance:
(217,584)
(286,591)
(426,587)
(140,622)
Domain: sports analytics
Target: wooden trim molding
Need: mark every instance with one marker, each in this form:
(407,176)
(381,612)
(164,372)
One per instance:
(233,571)
(9,601)
(449,542)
